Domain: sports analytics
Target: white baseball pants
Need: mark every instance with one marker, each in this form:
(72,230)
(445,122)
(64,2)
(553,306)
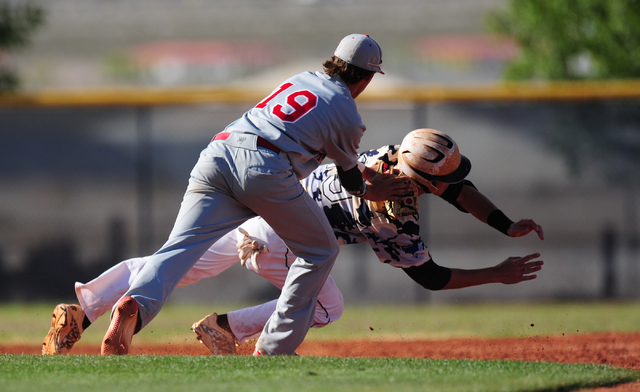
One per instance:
(100,294)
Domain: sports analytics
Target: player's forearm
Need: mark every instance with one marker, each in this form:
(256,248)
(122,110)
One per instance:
(352,181)
(368,173)
(476,203)
(461,278)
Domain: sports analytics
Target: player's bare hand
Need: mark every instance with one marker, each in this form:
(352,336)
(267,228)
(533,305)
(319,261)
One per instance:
(524,227)
(383,186)
(518,269)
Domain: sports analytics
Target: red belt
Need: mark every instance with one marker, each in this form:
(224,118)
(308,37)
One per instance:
(261,141)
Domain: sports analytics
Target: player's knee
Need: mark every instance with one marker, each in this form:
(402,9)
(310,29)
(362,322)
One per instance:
(329,252)
(328,311)
(326,319)
(336,312)
(322,258)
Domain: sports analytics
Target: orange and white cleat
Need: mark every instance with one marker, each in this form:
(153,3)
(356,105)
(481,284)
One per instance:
(211,334)
(66,329)
(122,328)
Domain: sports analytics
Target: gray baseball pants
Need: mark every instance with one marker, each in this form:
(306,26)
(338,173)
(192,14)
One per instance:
(232,181)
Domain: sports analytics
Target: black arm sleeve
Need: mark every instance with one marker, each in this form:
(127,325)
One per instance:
(352,180)
(453,191)
(429,275)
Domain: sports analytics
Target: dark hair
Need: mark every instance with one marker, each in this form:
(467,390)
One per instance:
(349,73)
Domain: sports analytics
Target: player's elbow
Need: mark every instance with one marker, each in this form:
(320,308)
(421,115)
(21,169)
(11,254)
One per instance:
(429,275)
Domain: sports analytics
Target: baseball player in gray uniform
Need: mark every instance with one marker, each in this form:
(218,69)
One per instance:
(391,228)
(251,168)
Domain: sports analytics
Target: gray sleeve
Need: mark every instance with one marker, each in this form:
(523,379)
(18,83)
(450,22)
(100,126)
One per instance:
(343,148)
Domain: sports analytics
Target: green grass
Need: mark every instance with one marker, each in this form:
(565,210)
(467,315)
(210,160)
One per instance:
(206,373)
(28,324)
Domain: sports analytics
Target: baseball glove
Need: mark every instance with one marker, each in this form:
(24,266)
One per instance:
(396,209)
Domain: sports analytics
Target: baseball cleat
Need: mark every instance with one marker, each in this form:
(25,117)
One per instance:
(218,340)
(123,325)
(66,329)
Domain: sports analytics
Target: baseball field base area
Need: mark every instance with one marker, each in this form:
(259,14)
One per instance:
(579,346)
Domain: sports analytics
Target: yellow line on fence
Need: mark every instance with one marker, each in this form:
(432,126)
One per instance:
(130,97)
(513,91)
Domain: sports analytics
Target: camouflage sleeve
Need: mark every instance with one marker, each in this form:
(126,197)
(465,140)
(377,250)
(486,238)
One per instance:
(397,242)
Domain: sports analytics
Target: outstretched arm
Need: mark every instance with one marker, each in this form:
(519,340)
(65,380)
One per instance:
(485,211)
(512,270)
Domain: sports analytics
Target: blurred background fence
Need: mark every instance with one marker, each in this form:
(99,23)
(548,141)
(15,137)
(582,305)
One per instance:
(89,178)
(117,98)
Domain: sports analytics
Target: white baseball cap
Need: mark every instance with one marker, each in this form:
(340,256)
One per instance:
(361,51)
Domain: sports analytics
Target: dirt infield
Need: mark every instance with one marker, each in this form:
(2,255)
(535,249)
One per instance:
(615,349)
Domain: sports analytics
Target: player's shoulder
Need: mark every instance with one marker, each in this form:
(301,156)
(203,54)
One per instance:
(309,77)
(303,75)
(321,81)
(387,154)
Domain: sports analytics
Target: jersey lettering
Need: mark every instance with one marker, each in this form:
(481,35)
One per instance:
(299,103)
(299,110)
(264,103)
(332,188)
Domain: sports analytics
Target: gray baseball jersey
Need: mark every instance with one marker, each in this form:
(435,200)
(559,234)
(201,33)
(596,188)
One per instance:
(310,116)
